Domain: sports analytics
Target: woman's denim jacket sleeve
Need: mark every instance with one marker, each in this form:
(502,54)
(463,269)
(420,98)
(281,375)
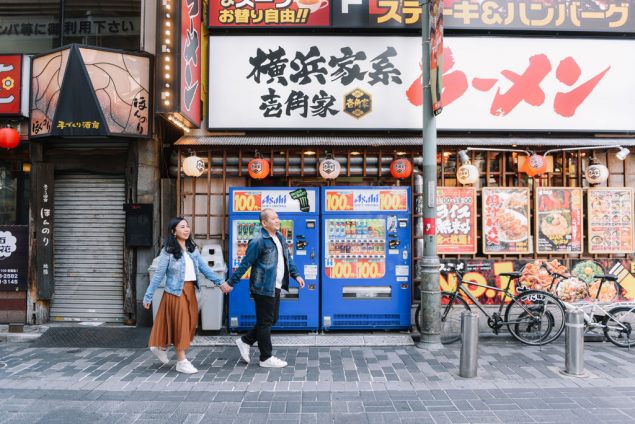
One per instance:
(174,272)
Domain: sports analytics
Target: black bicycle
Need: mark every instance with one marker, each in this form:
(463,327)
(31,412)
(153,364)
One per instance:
(533,317)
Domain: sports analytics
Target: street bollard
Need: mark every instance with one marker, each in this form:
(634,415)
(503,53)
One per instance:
(468,363)
(574,343)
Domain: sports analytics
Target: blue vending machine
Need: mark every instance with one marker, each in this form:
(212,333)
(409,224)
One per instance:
(298,209)
(366,263)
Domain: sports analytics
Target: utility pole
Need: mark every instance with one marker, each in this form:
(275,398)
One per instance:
(429,265)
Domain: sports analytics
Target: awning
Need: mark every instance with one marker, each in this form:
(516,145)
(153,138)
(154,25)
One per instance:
(329,141)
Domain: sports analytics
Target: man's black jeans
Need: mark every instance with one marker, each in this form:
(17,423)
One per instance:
(266,316)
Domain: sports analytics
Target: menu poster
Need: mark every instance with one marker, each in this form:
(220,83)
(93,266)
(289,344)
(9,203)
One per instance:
(456,220)
(610,220)
(558,220)
(506,226)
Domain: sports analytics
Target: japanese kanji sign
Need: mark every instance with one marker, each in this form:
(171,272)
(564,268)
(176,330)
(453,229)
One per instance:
(14,257)
(43,207)
(456,220)
(569,15)
(190,80)
(489,83)
(506,220)
(610,220)
(11,93)
(558,220)
(34,27)
(269,13)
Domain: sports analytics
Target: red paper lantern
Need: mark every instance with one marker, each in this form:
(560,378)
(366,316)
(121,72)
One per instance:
(535,165)
(258,168)
(400,168)
(9,138)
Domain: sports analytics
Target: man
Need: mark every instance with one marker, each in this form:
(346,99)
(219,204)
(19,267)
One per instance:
(271,265)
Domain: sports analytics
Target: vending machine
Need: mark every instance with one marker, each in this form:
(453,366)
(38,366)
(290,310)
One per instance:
(366,263)
(298,209)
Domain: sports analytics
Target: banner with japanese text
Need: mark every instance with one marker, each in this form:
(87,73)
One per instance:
(506,226)
(610,220)
(13,72)
(14,257)
(523,15)
(558,220)
(456,220)
(273,13)
(311,82)
(190,76)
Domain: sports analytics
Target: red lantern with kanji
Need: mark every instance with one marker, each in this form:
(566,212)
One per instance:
(401,168)
(258,168)
(9,138)
(535,165)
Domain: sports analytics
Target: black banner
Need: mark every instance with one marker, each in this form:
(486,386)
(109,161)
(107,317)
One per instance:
(42,206)
(540,15)
(14,257)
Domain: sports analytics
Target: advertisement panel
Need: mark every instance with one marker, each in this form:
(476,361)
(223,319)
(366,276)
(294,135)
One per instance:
(522,15)
(310,82)
(506,225)
(558,220)
(610,220)
(296,200)
(14,257)
(190,78)
(366,200)
(273,13)
(456,220)
(10,84)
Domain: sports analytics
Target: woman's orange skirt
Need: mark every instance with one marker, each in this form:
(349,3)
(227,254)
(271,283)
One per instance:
(176,320)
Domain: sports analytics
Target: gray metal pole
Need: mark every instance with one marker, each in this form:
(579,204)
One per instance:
(429,264)
(468,362)
(574,342)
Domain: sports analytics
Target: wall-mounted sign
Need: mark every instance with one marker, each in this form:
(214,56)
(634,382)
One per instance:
(272,13)
(14,73)
(190,77)
(255,200)
(610,219)
(506,226)
(14,257)
(310,82)
(456,220)
(558,220)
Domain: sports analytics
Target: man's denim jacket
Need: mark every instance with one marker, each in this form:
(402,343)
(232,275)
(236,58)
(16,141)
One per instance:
(262,257)
(174,272)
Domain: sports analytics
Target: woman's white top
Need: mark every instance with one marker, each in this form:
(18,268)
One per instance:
(190,275)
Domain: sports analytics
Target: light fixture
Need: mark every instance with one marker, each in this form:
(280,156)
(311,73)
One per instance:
(355,153)
(466,173)
(309,153)
(621,155)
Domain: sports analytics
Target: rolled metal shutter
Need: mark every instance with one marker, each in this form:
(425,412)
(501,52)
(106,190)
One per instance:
(89,224)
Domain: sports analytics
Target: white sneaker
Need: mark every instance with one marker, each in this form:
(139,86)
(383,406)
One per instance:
(243,348)
(185,367)
(273,362)
(161,354)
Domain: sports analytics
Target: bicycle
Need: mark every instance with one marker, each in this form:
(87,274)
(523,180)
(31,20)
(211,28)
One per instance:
(616,323)
(533,317)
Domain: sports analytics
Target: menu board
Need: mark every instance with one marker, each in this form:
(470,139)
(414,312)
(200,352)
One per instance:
(506,226)
(456,220)
(558,220)
(610,220)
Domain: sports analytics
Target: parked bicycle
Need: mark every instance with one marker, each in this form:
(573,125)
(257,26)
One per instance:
(533,317)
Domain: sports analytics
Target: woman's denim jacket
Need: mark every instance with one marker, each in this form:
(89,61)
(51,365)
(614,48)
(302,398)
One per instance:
(174,272)
(262,257)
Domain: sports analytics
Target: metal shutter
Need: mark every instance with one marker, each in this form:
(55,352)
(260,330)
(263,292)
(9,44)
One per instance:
(89,224)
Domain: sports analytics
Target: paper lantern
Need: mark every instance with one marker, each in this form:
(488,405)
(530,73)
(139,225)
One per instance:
(330,169)
(193,166)
(467,174)
(258,168)
(535,165)
(9,138)
(597,174)
(400,168)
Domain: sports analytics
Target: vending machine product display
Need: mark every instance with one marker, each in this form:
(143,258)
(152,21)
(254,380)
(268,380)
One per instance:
(366,258)
(298,209)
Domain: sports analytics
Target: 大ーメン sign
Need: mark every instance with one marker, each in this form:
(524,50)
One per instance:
(375,83)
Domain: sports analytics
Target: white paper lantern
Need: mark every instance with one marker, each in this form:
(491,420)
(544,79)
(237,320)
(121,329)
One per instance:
(597,174)
(467,174)
(330,169)
(193,166)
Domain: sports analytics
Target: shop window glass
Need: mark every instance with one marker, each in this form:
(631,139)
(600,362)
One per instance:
(29,26)
(8,196)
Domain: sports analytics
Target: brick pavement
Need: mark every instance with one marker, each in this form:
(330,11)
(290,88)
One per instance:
(347,385)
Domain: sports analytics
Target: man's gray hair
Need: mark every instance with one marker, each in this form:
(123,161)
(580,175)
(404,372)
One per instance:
(264,213)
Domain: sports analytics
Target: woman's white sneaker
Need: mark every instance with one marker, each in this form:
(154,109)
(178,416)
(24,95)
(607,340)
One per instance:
(273,362)
(185,367)
(161,354)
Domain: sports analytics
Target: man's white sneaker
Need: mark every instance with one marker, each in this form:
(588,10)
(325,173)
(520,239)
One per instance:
(161,354)
(185,367)
(244,349)
(273,362)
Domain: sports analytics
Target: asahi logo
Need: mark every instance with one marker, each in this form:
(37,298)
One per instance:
(370,200)
(8,244)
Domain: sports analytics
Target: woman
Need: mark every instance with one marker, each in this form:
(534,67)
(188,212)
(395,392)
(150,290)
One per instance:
(175,323)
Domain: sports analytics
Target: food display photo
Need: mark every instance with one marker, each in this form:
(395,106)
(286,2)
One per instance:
(506,226)
(558,220)
(610,220)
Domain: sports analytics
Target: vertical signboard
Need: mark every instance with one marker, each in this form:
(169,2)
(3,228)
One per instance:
(558,220)
(14,257)
(43,213)
(436,54)
(11,84)
(610,220)
(456,220)
(190,57)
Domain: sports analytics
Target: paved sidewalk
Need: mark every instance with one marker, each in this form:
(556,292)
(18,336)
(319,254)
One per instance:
(348,385)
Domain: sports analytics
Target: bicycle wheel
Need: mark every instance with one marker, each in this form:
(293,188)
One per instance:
(452,306)
(618,326)
(535,317)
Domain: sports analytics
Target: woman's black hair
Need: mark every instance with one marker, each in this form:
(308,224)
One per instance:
(172,245)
